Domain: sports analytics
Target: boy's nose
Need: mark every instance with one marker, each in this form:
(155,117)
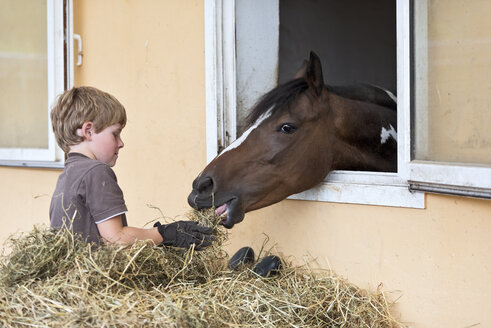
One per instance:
(121,143)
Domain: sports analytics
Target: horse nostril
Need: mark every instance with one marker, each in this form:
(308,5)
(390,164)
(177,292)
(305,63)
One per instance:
(205,185)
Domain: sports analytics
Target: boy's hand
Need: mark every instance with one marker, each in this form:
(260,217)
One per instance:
(184,234)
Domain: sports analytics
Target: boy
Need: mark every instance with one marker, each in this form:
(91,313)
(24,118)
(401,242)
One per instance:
(87,124)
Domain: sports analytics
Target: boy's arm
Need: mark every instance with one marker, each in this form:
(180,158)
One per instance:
(113,232)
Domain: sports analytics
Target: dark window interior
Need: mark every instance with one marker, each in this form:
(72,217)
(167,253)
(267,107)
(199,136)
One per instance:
(355,39)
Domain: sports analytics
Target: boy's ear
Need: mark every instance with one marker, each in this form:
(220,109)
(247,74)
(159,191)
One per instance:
(86,131)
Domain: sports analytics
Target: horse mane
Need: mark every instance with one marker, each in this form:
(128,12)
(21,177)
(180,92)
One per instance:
(366,93)
(281,97)
(277,99)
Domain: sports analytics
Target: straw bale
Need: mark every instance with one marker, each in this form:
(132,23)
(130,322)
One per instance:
(54,279)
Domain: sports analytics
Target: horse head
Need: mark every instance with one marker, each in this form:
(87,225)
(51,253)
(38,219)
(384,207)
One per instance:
(296,136)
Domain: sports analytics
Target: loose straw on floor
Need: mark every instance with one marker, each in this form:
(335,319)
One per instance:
(53,279)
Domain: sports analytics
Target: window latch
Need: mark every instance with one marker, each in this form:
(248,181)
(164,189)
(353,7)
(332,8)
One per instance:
(78,38)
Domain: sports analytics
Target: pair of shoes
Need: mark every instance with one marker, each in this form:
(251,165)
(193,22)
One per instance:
(267,266)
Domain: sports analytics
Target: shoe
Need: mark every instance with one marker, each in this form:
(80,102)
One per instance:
(268,266)
(243,256)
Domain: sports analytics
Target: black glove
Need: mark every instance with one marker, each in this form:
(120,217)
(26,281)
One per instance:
(184,234)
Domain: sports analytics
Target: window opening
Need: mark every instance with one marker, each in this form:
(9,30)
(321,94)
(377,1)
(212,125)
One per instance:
(34,47)
(242,47)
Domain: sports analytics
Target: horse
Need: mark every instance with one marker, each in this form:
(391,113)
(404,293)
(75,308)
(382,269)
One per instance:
(299,132)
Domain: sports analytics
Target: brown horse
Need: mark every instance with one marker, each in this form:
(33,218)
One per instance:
(299,132)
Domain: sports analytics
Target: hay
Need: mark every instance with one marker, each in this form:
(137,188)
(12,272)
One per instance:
(53,279)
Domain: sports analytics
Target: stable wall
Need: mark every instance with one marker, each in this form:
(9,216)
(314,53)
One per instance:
(437,260)
(150,55)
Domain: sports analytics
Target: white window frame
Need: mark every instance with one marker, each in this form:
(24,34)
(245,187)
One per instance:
(53,156)
(462,179)
(402,189)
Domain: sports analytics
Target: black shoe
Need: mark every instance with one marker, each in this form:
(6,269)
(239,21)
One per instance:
(244,256)
(268,266)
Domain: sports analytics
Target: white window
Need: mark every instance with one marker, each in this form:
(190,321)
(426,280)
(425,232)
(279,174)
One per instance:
(33,61)
(243,53)
(450,147)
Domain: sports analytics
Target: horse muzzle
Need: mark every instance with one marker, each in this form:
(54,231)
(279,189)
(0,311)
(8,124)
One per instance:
(228,208)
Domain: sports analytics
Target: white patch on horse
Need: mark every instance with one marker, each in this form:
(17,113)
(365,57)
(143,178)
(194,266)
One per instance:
(244,135)
(391,95)
(386,134)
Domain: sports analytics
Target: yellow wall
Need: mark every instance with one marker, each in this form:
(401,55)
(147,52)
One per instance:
(150,55)
(437,259)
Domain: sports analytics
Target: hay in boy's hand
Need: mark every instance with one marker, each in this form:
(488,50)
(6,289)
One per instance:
(207,218)
(53,279)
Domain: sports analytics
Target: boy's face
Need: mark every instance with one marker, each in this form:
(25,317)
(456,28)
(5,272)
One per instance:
(106,144)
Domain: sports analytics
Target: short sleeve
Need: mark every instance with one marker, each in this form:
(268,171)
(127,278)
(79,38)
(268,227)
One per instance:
(103,196)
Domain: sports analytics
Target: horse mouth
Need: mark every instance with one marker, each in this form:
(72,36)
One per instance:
(221,211)
(229,213)
(228,208)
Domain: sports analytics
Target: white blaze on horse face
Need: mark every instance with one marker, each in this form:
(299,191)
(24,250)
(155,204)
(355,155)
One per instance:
(386,134)
(244,135)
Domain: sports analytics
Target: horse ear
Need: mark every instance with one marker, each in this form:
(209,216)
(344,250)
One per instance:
(302,71)
(315,79)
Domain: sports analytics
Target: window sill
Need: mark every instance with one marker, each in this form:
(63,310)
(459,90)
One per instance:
(33,164)
(368,188)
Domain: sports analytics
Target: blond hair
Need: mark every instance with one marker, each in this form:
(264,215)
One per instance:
(76,106)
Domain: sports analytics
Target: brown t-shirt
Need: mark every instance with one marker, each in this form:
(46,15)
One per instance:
(87,193)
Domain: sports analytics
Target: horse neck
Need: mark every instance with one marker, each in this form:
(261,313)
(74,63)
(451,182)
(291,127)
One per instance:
(356,135)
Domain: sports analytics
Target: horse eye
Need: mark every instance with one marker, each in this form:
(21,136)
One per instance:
(288,128)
